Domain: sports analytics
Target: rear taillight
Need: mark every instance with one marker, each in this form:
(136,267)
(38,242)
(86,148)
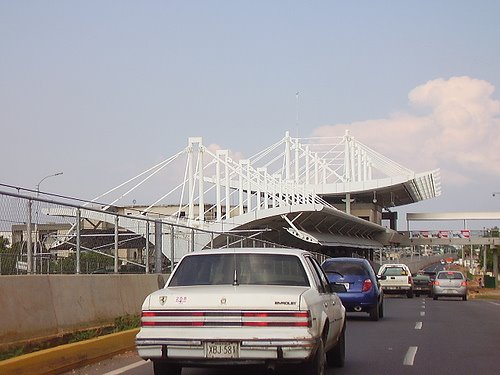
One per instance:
(276,319)
(226,318)
(367,285)
(463,283)
(436,282)
(409,280)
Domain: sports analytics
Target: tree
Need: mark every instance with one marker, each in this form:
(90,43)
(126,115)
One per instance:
(4,243)
(8,256)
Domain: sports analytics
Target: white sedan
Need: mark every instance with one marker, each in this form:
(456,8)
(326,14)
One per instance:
(266,307)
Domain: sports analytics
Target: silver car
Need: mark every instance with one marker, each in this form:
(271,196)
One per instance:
(450,284)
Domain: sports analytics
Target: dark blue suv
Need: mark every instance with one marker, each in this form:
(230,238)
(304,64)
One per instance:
(364,293)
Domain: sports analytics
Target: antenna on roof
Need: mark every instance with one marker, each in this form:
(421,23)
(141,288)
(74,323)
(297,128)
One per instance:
(297,112)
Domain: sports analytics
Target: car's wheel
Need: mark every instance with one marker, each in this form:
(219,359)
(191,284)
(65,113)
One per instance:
(417,294)
(162,368)
(434,297)
(381,309)
(375,312)
(336,355)
(317,365)
(464,297)
(409,294)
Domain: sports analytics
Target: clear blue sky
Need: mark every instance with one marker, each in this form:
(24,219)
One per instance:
(104,89)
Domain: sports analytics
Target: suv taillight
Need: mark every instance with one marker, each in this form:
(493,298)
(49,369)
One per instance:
(463,283)
(367,285)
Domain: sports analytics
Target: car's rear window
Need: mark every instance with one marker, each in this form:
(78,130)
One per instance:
(345,268)
(450,276)
(395,271)
(423,277)
(231,268)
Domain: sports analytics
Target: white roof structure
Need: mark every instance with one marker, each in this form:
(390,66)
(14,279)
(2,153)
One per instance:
(293,187)
(291,171)
(336,166)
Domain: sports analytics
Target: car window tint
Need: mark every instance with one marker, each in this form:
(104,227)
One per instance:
(395,271)
(450,276)
(260,269)
(346,268)
(321,274)
(316,277)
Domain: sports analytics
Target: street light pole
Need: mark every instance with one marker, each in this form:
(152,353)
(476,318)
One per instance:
(35,250)
(43,179)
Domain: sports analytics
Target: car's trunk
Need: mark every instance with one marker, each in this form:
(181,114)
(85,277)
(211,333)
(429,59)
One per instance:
(228,297)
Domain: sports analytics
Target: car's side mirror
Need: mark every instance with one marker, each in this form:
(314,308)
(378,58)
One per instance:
(338,288)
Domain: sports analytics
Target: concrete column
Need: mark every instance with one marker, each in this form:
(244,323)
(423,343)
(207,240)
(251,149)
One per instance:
(193,238)
(348,203)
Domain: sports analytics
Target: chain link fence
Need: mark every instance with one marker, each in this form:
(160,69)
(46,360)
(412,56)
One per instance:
(42,233)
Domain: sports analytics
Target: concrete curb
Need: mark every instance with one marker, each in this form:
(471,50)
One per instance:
(66,357)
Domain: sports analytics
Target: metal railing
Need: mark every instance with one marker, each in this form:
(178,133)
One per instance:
(47,233)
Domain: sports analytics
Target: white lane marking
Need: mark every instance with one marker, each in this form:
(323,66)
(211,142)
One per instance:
(418,325)
(126,368)
(410,356)
(422,313)
(494,303)
(423,306)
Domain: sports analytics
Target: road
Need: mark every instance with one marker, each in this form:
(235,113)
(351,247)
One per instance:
(416,336)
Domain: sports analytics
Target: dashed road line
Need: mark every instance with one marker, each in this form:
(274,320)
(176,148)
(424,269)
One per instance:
(126,368)
(418,325)
(422,313)
(410,356)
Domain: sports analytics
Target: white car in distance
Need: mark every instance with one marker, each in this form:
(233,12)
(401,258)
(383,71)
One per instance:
(265,307)
(396,279)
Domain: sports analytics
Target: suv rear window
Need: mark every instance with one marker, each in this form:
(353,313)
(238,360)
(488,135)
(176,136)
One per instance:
(395,271)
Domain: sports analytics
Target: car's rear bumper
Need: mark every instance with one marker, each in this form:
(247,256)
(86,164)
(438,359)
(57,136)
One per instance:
(449,292)
(400,289)
(193,352)
(421,289)
(358,301)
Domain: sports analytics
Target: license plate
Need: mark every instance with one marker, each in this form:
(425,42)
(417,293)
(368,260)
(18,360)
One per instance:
(218,349)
